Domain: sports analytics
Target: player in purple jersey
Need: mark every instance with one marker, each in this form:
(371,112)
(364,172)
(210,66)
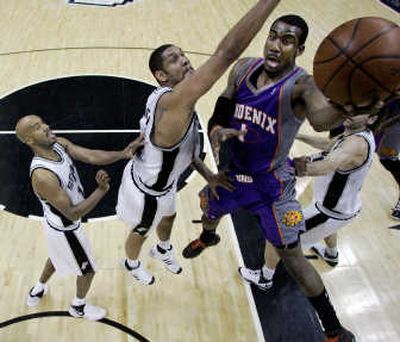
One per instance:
(266,101)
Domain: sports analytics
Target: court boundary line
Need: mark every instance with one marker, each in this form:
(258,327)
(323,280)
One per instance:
(238,252)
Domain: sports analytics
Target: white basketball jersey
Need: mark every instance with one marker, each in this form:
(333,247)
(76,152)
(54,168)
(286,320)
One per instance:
(338,193)
(69,180)
(155,170)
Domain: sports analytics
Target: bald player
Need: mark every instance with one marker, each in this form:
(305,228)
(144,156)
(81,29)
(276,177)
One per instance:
(56,183)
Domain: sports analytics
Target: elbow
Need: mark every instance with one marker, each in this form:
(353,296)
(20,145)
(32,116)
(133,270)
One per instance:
(73,215)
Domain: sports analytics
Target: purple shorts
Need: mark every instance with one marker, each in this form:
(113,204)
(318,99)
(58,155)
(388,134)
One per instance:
(270,196)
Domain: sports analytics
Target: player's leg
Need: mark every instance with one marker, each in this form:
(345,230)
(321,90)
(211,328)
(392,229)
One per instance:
(263,277)
(213,209)
(164,250)
(139,210)
(283,225)
(40,289)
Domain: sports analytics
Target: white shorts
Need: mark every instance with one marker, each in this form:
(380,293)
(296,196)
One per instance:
(319,226)
(69,251)
(142,211)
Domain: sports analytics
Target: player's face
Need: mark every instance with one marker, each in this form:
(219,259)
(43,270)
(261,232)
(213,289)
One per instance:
(40,133)
(281,48)
(176,66)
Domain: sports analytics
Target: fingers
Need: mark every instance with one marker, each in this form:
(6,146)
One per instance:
(102,177)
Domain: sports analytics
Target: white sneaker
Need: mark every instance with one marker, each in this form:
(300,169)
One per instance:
(168,258)
(87,311)
(139,273)
(34,299)
(331,260)
(255,277)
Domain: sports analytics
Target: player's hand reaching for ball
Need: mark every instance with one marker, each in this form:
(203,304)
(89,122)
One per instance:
(103,180)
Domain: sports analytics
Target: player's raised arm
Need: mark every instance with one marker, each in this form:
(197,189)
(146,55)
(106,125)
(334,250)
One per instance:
(181,101)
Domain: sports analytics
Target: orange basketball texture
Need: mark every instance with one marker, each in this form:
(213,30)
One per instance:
(359,62)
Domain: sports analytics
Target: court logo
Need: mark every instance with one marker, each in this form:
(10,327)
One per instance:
(292,218)
(108,3)
(99,112)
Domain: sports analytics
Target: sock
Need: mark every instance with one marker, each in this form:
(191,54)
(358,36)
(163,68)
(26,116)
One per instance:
(207,236)
(133,263)
(164,245)
(268,273)
(326,313)
(331,251)
(37,288)
(78,301)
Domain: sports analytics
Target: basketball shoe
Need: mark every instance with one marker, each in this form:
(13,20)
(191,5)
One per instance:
(87,311)
(331,260)
(167,257)
(35,295)
(255,277)
(138,273)
(197,246)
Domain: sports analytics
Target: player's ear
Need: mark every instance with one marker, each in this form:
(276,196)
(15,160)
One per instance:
(161,76)
(300,50)
(372,119)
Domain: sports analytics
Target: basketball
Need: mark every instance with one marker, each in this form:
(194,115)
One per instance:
(358,63)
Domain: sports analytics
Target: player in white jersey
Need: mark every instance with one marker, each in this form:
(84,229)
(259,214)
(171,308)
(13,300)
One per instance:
(56,183)
(340,172)
(147,194)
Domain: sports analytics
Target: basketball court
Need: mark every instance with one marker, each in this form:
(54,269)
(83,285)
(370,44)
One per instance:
(83,67)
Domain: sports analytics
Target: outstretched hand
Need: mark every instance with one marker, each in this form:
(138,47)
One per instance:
(222,180)
(130,150)
(223,134)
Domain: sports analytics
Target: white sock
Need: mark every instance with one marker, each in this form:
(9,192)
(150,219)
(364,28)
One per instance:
(78,301)
(268,273)
(165,245)
(331,251)
(133,263)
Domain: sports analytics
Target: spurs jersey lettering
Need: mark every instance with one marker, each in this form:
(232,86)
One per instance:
(267,115)
(69,180)
(155,170)
(338,194)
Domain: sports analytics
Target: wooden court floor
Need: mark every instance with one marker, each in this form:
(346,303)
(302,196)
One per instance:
(49,39)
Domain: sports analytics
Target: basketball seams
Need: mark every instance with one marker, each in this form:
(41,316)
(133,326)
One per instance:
(358,66)
(338,47)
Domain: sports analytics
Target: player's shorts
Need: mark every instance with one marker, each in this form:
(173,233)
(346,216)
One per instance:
(69,251)
(270,197)
(320,225)
(139,209)
(388,142)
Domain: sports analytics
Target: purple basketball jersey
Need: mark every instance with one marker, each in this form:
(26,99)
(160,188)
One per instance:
(271,125)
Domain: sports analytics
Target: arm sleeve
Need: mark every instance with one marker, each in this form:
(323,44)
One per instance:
(223,112)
